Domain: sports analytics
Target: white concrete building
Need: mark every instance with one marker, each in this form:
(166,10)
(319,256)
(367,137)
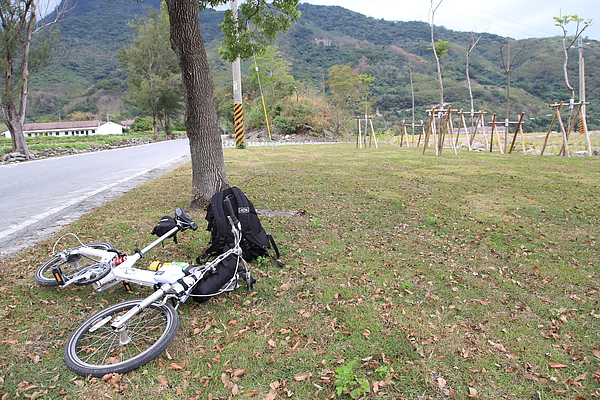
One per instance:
(70,128)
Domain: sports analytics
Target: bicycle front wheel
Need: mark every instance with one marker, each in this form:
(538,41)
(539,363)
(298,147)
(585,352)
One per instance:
(96,349)
(73,264)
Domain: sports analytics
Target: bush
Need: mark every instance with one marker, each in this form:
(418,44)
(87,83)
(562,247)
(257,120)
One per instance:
(303,114)
(295,114)
(142,125)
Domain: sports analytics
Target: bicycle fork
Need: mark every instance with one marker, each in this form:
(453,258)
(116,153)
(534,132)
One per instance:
(120,323)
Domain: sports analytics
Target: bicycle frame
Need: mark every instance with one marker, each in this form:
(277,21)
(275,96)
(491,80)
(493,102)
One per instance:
(178,289)
(124,272)
(120,266)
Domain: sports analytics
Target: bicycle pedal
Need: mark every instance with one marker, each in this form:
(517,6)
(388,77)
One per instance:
(58,275)
(127,286)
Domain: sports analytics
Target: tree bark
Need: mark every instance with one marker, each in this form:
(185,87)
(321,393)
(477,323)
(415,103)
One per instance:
(208,164)
(21,33)
(437,58)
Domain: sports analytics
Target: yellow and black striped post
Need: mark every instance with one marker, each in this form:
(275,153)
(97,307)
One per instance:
(238,123)
(238,109)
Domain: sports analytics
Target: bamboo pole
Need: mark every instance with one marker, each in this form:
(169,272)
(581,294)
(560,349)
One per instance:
(565,147)
(492,133)
(358,138)
(519,123)
(403,132)
(551,125)
(428,131)
(462,122)
(372,133)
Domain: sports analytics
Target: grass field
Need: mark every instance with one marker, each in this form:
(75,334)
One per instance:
(409,276)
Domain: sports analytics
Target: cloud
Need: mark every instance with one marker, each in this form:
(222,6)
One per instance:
(512,18)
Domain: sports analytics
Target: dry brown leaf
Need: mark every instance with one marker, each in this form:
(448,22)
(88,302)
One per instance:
(239,372)
(558,365)
(270,396)
(34,395)
(596,352)
(272,343)
(366,333)
(472,393)
(302,376)
(250,393)
(235,390)
(498,346)
(112,378)
(176,366)
(226,381)
(441,382)
(204,380)
(162,380)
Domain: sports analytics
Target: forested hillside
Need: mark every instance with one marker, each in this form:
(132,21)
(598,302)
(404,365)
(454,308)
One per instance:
(87,78)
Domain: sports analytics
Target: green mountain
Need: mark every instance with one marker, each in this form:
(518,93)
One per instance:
(88,77)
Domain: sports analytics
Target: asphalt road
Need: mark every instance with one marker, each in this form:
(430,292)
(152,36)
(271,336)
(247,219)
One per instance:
(38,197)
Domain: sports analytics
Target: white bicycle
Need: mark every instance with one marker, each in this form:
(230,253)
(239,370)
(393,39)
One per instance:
(128,335)
(100,264)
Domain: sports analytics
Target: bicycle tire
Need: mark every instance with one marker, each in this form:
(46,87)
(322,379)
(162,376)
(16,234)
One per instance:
(150,333)
(43,276)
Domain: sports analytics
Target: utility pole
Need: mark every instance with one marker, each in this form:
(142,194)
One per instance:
(238,109)
(583,116)
(581,78)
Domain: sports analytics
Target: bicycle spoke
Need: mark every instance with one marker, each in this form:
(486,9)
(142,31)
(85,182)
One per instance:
(103,346)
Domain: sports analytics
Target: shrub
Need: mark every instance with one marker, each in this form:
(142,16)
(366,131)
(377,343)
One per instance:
(141,125)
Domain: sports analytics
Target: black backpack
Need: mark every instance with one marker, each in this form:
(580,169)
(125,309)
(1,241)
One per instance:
(255,241)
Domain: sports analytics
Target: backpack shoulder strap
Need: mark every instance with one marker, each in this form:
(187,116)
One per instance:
(243,207)
(219,213)
(219,225)
(276,257)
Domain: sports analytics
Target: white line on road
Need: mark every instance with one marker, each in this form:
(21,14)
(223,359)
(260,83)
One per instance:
(46,214)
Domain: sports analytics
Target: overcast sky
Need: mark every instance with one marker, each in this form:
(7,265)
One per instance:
(517,19)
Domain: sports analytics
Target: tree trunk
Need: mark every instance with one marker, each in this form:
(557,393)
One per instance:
(15,127)
(154,124)
(14,115)
(435,53)
(208,164)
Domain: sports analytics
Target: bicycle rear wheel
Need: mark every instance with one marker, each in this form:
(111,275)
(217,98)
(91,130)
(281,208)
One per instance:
(96,349)
(74,263)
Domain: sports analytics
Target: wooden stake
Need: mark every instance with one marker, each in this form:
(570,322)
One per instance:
(519,124)
(372,134)
(559,106)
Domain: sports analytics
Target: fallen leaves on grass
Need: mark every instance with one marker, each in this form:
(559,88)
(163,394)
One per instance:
(230,381)
(162,380)
(302,376)
(472,393)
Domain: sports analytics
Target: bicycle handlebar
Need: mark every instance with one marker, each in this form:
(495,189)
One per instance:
(184,221)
